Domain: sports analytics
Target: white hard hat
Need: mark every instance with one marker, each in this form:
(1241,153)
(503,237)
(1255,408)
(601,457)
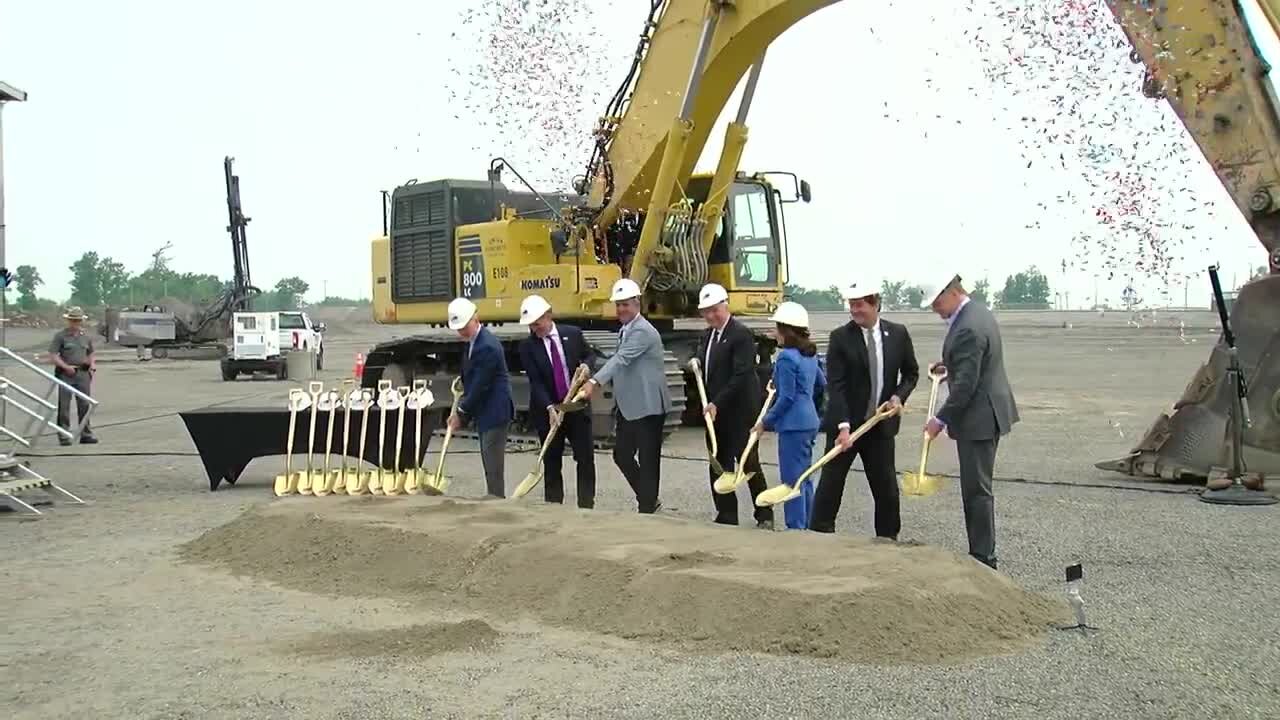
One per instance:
(791,313)
(930,297)
(712,295)
(624,289)
(864,286)
(461,310)
(532,308)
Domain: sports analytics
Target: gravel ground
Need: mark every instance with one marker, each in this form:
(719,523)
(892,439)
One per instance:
(103,621)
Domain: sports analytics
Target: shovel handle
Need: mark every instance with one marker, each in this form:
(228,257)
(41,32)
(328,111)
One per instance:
(702,395)
(755,436)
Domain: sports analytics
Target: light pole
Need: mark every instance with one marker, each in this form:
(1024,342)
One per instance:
(8,94)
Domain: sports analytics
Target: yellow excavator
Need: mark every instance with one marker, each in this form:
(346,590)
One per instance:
(640,211)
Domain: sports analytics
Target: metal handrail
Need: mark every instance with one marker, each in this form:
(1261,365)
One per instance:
(42,418)
(6,383)
(46,374)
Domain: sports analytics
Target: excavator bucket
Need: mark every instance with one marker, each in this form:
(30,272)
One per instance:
(1192,443)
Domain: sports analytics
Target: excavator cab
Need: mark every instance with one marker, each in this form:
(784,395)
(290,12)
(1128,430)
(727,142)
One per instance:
(748,254)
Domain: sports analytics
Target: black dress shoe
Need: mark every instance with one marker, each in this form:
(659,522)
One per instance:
(64,442)
(764,525)
(88,440)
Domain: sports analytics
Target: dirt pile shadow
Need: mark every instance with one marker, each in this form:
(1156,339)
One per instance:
(688,585)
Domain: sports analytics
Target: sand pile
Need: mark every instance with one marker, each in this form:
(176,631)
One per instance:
(417,641)
(691,585)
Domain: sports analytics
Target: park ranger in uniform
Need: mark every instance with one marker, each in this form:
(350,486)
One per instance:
(72,355)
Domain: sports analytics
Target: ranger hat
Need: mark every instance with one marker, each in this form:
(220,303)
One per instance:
(75,313)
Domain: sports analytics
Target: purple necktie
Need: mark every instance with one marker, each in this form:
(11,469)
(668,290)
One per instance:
(557,369)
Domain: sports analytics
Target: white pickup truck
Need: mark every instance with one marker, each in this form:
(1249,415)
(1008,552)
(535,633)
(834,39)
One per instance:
(297,332)
(261,339)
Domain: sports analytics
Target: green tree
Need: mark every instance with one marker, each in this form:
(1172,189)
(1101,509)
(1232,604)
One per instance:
(86,283)
(981,290)
(27,279)
(829,299)
(1028,289)
(912,296)
(891,293)
(289,292)
(114,280)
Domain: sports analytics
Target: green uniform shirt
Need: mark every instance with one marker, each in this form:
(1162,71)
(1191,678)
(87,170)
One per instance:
(73,349)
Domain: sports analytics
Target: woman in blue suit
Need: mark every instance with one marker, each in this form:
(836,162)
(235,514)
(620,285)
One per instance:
(797,381)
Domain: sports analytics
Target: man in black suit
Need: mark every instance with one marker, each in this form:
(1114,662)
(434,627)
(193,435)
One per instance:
(549,356)
(870,361)
(727,353)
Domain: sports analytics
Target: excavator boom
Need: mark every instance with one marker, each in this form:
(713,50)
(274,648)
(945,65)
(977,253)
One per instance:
(1203,57)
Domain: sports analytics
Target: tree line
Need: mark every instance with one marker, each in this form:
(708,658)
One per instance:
(98,281)
(1028,290)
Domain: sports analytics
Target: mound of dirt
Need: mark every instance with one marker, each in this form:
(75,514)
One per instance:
(417,641)
(694,586)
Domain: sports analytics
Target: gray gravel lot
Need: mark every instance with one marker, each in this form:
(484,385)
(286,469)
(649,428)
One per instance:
(102,621)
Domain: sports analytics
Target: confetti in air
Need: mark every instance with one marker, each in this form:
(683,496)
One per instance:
(532,80)
(1064,69)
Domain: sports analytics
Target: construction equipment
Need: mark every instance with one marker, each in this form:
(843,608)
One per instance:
(287,484)
(716,467)
(918,483)
(172,326)
(580,377)
(1204,58)
(639,211)
(728,483)
(783,492)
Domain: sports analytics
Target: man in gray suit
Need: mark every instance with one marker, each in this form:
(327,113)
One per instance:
(979,408)
(640,392)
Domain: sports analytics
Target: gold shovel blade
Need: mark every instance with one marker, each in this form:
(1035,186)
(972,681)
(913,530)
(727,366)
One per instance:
(375,481)
(777,494)
(729,481)
(303,482)
(338,481)
(320,483)
(428,484)
(283,485)
(918,485)
(357,482)
(529,483)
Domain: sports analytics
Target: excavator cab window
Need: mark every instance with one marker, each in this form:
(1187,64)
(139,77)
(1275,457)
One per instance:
(754,252)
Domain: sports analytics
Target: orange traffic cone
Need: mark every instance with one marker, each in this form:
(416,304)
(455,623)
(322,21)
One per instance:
(358,371)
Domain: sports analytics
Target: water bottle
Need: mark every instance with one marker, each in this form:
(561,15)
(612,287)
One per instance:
(1075,577)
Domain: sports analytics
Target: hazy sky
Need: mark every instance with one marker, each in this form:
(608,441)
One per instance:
(883,107)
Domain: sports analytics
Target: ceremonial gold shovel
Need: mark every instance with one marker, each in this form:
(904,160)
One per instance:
(437,483)
(535,476)
(918,483)
(323,483)
(783,492)
(287,484)
(716,467)
(386,399)
(396,485)
(304,480)
(358,480)
(340,476)
(420,399)
(728,483)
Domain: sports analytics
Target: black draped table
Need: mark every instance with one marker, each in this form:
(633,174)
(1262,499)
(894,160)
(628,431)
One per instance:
(228,438)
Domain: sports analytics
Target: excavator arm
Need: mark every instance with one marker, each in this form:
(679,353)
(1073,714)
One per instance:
(691,59)
(1203,58)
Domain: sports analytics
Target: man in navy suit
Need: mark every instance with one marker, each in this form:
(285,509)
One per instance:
(549,356)
(486,392)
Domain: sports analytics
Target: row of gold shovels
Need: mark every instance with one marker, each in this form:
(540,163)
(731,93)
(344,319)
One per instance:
(917,483)
(355,480)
